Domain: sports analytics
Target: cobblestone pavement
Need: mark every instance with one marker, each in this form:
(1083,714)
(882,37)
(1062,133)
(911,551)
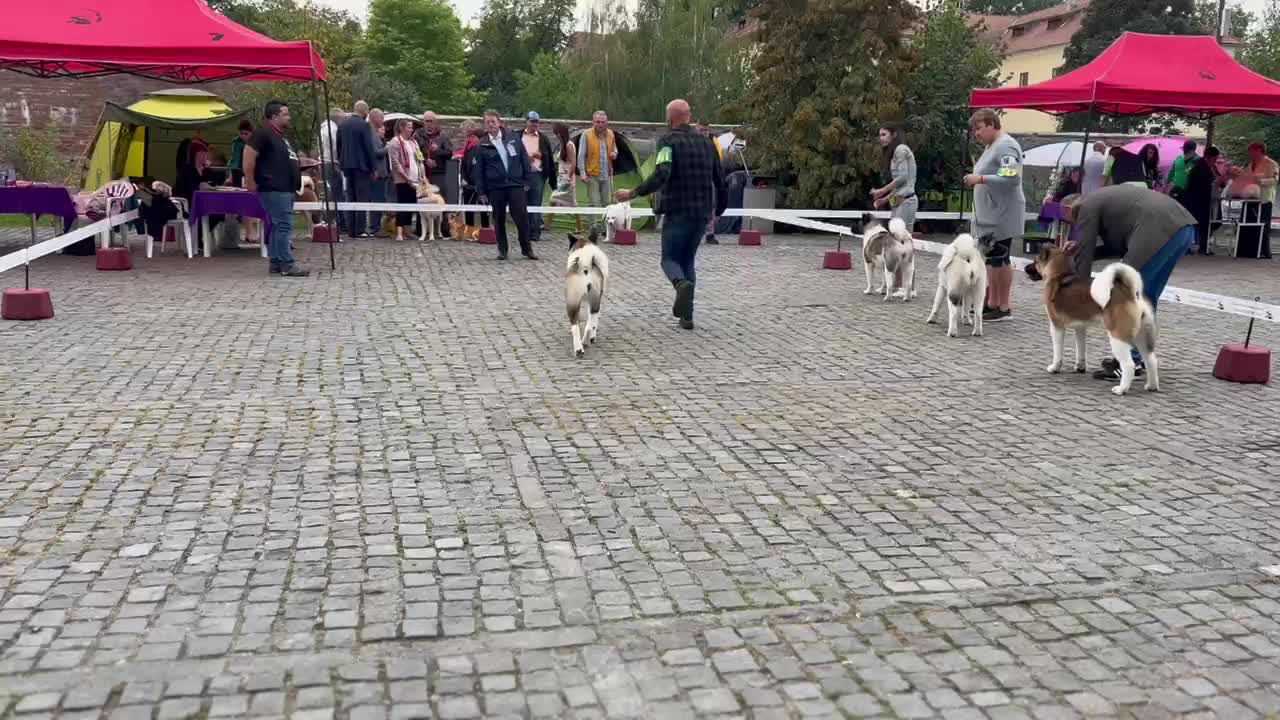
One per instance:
(390,492)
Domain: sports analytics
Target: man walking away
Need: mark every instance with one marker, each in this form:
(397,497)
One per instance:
(689,175)
(1150,230)
(358,156)
(1094,163)
(500,169)
(271,169)
(597,149)
(332,170)
(999,207)
(538,147)
(437,150)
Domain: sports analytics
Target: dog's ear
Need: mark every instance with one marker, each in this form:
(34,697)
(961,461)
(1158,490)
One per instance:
(867,219)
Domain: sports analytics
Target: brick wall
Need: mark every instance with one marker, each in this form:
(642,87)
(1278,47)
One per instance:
(73,105)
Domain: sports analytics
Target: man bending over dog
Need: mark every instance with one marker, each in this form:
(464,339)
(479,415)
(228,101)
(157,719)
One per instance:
(1149,230)
(692,184)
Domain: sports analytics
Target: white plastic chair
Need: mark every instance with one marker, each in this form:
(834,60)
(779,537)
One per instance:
(179,224)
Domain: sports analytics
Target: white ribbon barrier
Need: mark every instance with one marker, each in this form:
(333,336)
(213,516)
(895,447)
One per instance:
(1177,295)
(18,258)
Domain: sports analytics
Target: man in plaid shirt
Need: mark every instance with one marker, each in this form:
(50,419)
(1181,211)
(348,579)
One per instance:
(688,174)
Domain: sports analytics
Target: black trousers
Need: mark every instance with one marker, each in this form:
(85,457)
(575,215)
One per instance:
(405,193)
(359,185)
(515,200)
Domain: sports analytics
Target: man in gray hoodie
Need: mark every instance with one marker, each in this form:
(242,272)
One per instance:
(1150,231)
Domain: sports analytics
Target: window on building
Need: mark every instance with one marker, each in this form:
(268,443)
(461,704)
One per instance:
(1056,23)
(1059,70)
(1024,79)
(1018,31)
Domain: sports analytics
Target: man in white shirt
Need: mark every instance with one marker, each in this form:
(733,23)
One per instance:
(1094,165)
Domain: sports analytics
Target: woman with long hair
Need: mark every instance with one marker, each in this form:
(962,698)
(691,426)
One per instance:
(566,192)
(472,132)
(900,165)
(1150,157)
(406,173)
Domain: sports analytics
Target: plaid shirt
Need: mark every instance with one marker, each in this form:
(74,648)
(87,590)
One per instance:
(689,175)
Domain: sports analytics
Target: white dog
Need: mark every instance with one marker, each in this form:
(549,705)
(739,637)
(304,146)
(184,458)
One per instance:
(962,280)
(616,217)
(432,220)
(585,276)
(894,249)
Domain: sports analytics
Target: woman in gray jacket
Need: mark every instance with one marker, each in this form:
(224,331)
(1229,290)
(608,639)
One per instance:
(900,193)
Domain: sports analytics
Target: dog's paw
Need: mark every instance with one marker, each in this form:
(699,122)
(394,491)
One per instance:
(580,353)
(952,333)
(1117,390)
(932,319)
(868,291)
(1081,367)
(976,333)
(591,339)
(1149,387)
(915,293)
(1054,368)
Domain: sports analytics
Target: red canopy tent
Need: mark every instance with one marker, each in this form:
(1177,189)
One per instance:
(1142,74)
(179,41)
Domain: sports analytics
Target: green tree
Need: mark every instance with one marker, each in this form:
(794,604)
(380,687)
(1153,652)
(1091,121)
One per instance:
(1104,21)
(1008,7)
(507,39)
(419,43)
(828,73)
(1241,20)
(552,89)
(952,60)
(1261,54)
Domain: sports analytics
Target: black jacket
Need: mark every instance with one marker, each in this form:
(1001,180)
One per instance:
(444,149)
(487,172)
(356,150)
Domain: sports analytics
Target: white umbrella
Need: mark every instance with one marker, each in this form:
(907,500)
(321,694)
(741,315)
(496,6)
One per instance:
(1065,154)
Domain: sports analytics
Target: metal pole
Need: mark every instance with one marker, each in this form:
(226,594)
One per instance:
(335,234)
(1084,149)
(1209,127)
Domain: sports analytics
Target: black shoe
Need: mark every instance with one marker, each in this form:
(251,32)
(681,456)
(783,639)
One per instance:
(683,307)
(274,270)
(711,240)
(530,256)
(295,271)
(686,323)
(1112,371)
(994,315)
(502,256)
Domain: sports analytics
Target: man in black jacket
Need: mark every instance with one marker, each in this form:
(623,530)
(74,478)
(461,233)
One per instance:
(543,163)
(689,175)
(500,170)
(357,155)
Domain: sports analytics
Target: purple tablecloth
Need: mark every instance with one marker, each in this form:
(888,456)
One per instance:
(37,200)
(1050,213)
(229,202)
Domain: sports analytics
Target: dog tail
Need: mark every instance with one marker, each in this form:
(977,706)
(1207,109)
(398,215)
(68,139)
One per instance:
(898,229)
(1116,275)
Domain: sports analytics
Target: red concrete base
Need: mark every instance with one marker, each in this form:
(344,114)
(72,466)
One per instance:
(1241,364)
(114,258)
(322,233)
(837,260)
(33,304)
(624,237)
(487,236)
(750,237)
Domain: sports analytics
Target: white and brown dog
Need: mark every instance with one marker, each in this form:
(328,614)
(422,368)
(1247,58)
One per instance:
(432,220)
(1115,296)
(893,249)
(585,276)
(962,281)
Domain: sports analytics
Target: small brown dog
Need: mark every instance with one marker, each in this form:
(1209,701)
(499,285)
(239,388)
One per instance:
(1115,296)
(459,230)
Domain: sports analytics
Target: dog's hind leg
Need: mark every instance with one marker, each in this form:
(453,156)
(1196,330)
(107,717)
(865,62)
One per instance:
(1081,364)
(1146,342)
(574,313)
(1059,336)
(937,306)
(593,320)
(870,269)
(1122,351)
(908,281)
(971,301)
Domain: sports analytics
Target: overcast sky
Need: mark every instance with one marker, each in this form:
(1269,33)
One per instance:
(468,10)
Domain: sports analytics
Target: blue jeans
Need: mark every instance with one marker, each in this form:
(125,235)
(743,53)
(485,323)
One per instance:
(279,207)
(680,240)
(534,192)
(1155,273)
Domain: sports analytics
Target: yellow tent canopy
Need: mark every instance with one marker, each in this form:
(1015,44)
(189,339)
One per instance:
(143,138)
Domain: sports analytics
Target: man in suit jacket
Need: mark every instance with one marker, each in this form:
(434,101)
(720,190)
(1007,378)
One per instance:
(500,170)
(357,153)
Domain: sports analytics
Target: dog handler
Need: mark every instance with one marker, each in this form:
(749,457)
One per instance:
(688,174)
(1150,230)
(999,206)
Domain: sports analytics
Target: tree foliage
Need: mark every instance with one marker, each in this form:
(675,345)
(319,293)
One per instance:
(508,38)
(419,43)
(951,61)
(1008,7)
(1104,22)
(551,88)
(828,73)
(1260,54)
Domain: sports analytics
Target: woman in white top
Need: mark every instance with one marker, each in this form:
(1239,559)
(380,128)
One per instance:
(406,172)
(565,194)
